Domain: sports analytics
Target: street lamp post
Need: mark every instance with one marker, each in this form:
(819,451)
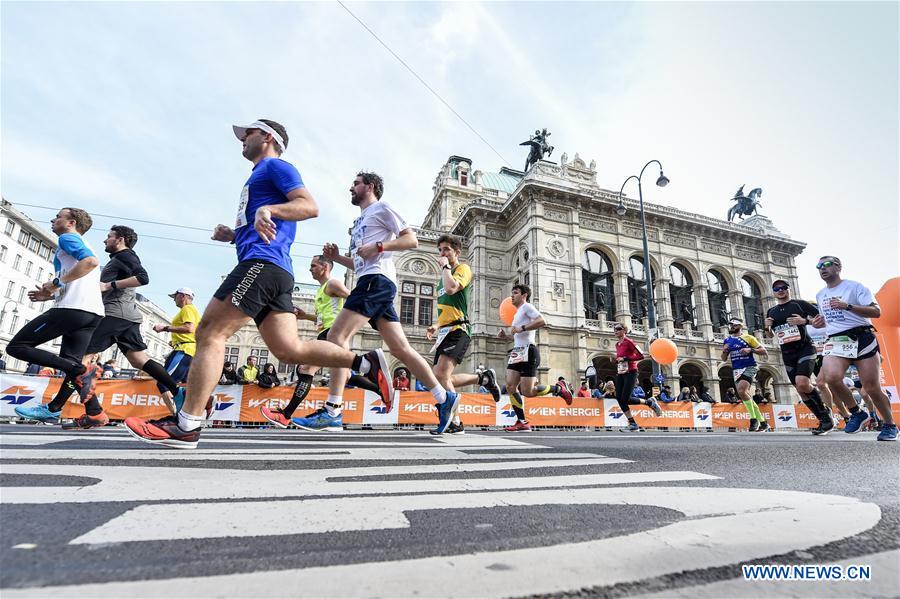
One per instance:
(4,311)
(661,181)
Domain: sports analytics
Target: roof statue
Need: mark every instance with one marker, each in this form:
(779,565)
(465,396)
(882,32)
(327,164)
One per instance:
(539,147)
(746,205)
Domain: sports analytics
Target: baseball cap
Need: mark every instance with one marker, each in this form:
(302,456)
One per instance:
(782,281)
(240,130)
(736,321)
(183,290)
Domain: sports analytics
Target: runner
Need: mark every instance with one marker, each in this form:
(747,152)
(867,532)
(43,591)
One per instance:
(453,330)
(377,232)
(328,302)
(818,336)
(847,307)
(75,314)
(525,358)
(183,343)
(259,288)
(787,321)
(121,325)
(627,357)
(739,348)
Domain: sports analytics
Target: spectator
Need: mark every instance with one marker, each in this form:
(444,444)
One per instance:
(268,378)
(107,374)
(249,373)
(229,374)
(562,381)
(684,394)
(32,369)
(731,396)
(598,394)
(665,394)
(109,366)
(767,397)
(401,381)
(706,396)
(609,390)
(758,397)
(638,392)
(419,386)
(583,391)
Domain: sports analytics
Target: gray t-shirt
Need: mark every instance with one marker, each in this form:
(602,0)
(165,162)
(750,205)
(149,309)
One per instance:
(122,303)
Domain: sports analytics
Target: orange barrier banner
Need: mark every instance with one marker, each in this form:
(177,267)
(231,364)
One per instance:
(677,414)
(553,411)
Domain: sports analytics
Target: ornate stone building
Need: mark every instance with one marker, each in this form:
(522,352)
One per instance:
(554,229)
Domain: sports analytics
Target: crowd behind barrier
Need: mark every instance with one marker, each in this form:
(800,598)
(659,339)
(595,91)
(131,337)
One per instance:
(240,404)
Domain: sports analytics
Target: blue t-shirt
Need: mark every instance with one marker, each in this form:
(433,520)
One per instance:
(734,345)
(269,183)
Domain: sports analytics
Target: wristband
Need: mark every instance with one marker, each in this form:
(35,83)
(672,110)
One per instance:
(849,308)
(446,267)
(113,286)
(380,247)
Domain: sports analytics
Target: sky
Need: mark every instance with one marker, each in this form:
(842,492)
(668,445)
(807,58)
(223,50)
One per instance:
(125,109)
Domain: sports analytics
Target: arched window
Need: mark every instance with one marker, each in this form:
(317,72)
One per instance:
(637,288)
(597,286)
(681,294)
(717,296)
(752,304)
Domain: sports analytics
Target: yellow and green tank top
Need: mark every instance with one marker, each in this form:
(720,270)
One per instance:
(327,308)
(452,308)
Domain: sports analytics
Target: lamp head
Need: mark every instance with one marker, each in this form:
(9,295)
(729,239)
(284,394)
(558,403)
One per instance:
(663,180)
(621,209)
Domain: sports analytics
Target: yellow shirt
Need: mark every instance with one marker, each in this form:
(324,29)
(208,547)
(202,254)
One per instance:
(186,342)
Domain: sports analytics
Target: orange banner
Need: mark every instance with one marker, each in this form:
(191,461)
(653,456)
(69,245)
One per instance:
(675,415)
(553,411)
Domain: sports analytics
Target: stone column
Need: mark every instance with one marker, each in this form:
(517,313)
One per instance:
(623,313)
(704,318)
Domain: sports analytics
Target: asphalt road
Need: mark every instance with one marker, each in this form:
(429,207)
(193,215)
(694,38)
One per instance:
(400,513)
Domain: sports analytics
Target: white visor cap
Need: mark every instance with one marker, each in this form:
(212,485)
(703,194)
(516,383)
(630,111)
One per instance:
(241,130)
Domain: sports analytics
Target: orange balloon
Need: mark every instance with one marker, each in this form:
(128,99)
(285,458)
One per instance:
(664,351)
(507,311)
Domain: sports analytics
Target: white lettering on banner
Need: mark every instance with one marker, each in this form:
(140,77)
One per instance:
(589,412)
(271,403)
(676,414)
(127,399)
(475,409)
(422,408)
(542,411)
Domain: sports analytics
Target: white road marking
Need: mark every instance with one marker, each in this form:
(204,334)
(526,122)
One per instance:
(126,483)
(759,523)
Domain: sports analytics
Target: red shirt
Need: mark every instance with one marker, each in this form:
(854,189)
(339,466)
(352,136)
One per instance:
(401,383)
(582,392)
(628,350)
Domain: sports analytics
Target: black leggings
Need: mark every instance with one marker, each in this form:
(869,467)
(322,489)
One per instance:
(74,326)
(624,387)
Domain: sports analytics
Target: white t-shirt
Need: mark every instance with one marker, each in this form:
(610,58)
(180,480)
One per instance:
(525,314)
(80,294)
(817,336)
(378,222)
(837,321)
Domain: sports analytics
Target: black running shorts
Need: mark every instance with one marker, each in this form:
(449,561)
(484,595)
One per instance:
(801,362)
(528,368)
(126,335)
(455,345)
(256,288)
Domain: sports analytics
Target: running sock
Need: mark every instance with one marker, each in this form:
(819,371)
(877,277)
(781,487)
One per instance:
(92,406)
(631,420)
(158,372)
(334,405)
(439,393)
(814,402)
(189,422)
(362,382)
(67,388)
(542,390)
(751,408)
(854,410)
(301,390)
(361,365)
(520,413)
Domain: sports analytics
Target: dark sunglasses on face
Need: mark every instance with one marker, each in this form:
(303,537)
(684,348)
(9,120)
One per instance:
(780,288)
(825,264)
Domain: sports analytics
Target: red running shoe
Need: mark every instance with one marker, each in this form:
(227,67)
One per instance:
(85,422)
(565,394)
(518,427)
(162,432)
(378,374)
(275,417)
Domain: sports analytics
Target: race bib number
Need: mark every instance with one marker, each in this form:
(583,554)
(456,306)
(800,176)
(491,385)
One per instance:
(241,218)
(787,333)
(518,355)
(442,333)
(622,367)
(841,347)
(738,372)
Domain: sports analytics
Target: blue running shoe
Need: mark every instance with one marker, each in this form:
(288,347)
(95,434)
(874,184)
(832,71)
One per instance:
(856,422)
(178,398)
(40,413)
(888,433)
(321,421)
(445,412)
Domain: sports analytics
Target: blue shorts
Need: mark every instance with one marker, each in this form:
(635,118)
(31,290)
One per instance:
(373,297)
(177,365)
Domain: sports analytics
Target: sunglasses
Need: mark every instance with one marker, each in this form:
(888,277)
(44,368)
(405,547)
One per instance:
(618,328)
(780,288)
(826,264)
